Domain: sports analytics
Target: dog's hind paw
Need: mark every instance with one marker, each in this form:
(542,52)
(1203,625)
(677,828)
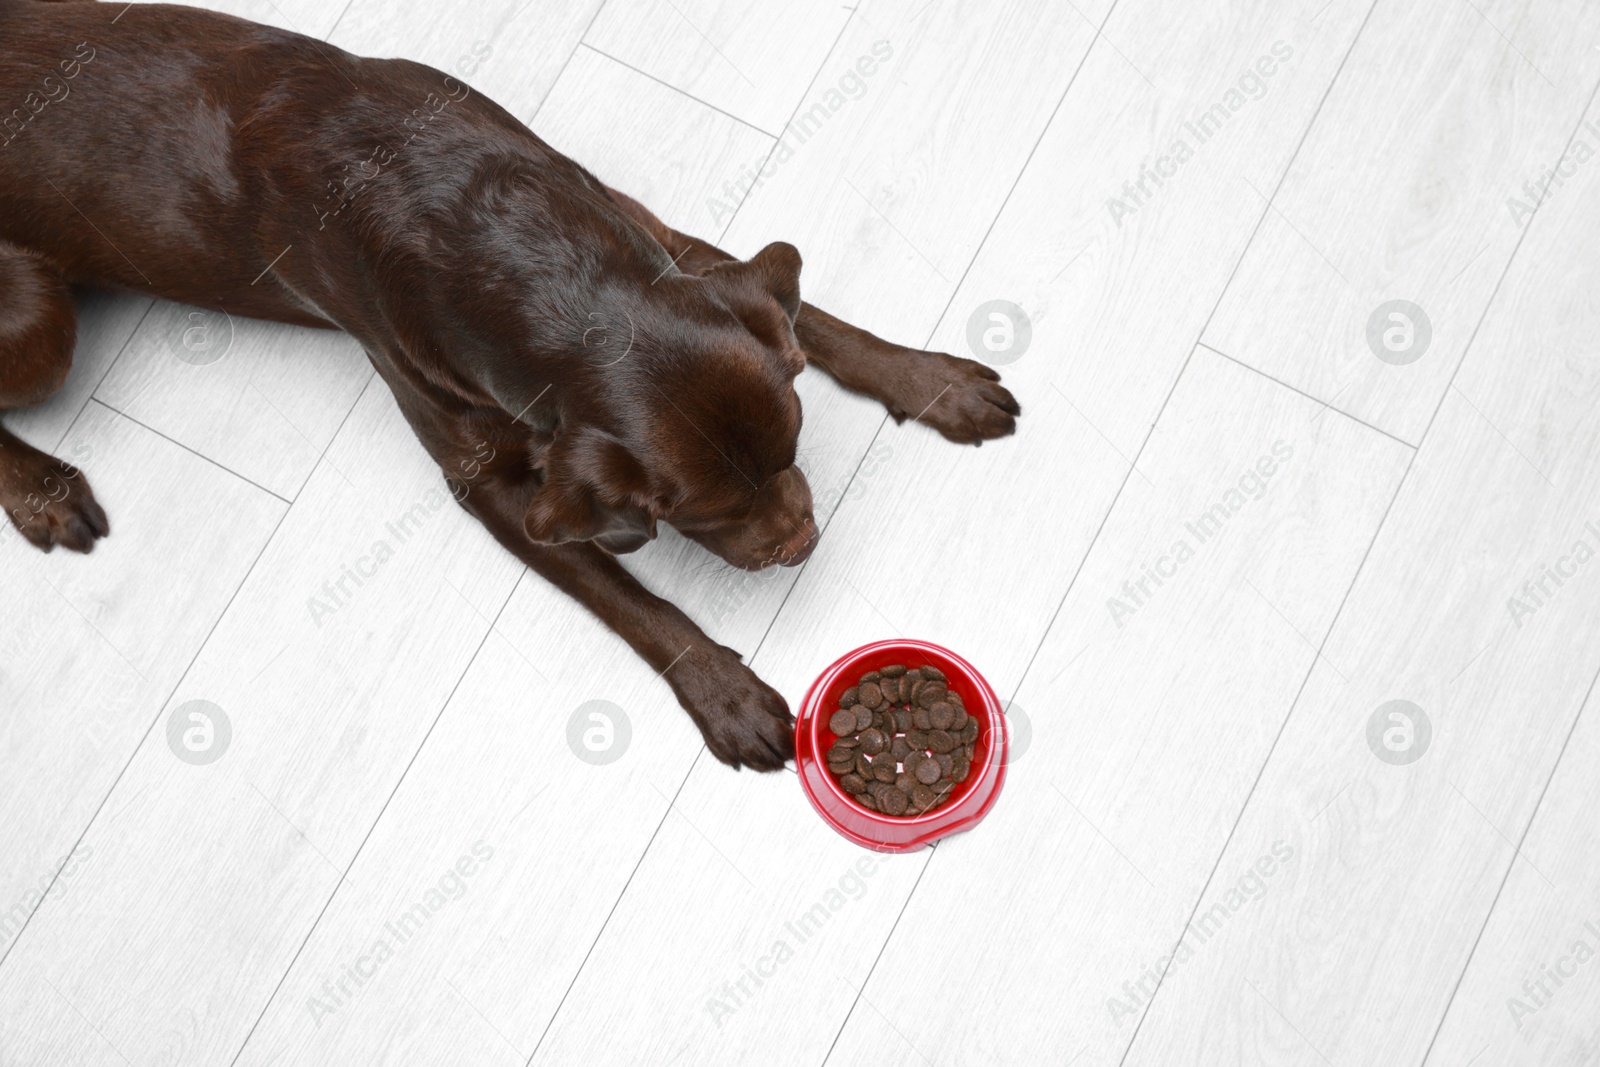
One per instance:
(50,503)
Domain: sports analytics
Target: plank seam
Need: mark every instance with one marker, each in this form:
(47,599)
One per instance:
(1329,406)
(198,455)
(679,91)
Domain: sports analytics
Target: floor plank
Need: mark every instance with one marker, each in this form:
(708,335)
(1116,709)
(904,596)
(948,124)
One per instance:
(1355,956)
(1376,208)
(488,973)
(330,682)
(1528,995)
(642,138)
(98,642)
(748,59)
(259,398)
(1150,708)
(888,209)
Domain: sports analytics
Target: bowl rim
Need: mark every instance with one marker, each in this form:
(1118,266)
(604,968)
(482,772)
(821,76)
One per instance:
(935,824)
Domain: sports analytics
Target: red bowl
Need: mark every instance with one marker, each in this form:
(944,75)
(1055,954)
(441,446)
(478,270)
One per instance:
(970,801)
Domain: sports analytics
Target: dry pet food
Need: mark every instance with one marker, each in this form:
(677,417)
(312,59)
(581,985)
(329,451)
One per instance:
(902,740)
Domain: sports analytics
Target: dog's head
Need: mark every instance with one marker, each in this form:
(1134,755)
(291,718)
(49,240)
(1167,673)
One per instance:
(700,422)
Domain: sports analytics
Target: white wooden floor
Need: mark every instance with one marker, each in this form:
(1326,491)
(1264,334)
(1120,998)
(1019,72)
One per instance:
(1214,847)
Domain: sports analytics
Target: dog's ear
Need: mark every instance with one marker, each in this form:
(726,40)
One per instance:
(772,274)
(776,269)
(594,490)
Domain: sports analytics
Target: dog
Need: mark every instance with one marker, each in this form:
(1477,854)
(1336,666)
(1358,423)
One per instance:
(616,373)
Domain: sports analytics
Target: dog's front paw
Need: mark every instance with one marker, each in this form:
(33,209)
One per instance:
(745,721)
(961,398)
(50,504)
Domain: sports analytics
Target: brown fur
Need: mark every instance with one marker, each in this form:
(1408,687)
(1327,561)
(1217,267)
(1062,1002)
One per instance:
(619,373)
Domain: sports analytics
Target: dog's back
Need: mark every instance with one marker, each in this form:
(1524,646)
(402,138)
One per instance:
(146,146)
(117,133)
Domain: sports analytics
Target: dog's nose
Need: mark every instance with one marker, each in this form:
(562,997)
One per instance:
(808,544)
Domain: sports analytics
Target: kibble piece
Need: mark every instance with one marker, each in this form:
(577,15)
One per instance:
(899,749)
(923,798)
(914,691)
(904,781)
(915,674)
(870,695)
(841,768)
(946,761)
(867,801)
(884,770)
(926,770)
(969,732)
(967,750)
(955,698)
(921,719)
(902,720)
(958,718)
(893,802)
(894,670)
(851,697)
(840,754)
(934,673)
(873,742)
(961,766)
(863,717)
(870,676)
(843,722)
(941,741)
(853,783)
(931,693)
(942,715)
(863,766)
(917,739)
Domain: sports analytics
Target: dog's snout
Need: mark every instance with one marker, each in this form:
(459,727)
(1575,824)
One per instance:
(799,549)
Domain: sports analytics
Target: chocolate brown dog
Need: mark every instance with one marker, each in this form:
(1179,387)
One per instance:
(621,374)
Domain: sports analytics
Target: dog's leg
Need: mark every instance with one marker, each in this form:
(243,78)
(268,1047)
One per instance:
(45,498)
(961,398)
(744,721)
